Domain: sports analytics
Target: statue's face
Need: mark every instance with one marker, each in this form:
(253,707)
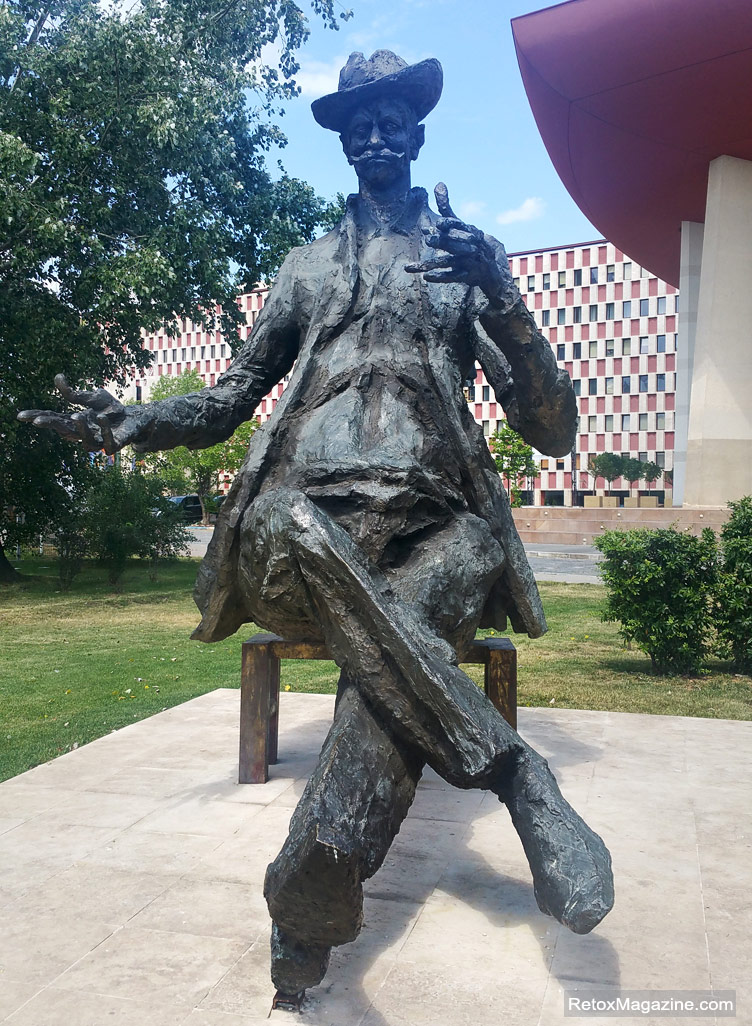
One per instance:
(381,140)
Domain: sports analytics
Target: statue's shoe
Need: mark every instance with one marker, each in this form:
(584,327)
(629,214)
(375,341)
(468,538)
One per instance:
(571,865)
(295,966)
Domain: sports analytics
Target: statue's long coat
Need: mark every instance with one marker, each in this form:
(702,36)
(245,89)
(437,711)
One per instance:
(312,302)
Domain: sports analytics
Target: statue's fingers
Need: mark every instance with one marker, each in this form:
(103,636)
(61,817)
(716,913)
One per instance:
(92,441)
(458,245)
(99,399)
(58,422)
(29,416)
(447,225)
(429,265)
(442,200)
(108,440)
(451,274)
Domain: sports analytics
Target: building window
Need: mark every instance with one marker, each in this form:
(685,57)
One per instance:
(627,271)
(625,421)
(626,308)
(592,423)
(546,281)
(661,305)
(643,382)
(486,428)
(626,346)
(516,283)
(138,393)
(643,426)
(576,314)
(660,459)
(593,275)
(592,386)
(486,393)
(609,386)
(544,464)
(560,315)
(593,312)
(609,347)
(609,311)
(644,344)
(578,276)
(212,351)
(562,279)
(193,352)
(660,422)
(626,384)
(560,351)
(182,354)
(610,270)
(560,464)
(661,343)
(660,382)
(577,350)
(644,306)
(609,423)
(203,352)
(531,283)
(593,349)
(577,386)
(545,318)
(642,457)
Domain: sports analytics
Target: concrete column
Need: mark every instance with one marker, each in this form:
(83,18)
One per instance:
(719,437)
(689,291)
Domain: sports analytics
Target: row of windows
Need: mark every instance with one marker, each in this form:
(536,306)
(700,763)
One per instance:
(630,308)
(593,275)
(591,384)
(206,352)
(642,346)
(625,422)
(660,459)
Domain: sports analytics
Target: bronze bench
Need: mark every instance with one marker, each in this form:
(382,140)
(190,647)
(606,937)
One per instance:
(260,680)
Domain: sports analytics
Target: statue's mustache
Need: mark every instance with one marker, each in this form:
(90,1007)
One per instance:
(382,154)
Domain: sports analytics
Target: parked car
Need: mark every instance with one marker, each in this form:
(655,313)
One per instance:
(190,507)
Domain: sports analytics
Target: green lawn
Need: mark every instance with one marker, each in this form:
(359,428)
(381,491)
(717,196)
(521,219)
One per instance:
(75,666)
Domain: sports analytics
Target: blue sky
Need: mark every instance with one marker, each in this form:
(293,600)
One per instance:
(481,139)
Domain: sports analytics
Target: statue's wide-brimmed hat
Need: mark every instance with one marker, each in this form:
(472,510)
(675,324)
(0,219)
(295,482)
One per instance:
(384,73)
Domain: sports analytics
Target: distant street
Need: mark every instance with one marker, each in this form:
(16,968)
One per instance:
(567,564)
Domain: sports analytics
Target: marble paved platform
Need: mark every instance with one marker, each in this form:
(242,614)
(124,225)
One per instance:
(131,873)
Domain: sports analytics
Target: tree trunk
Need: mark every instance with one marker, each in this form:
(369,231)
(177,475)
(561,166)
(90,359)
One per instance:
(8,573)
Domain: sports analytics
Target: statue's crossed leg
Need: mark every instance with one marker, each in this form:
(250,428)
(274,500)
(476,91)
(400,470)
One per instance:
(407,703)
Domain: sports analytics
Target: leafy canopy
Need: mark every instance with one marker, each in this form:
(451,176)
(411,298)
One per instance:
(133,190)
(196,470)
(514,460)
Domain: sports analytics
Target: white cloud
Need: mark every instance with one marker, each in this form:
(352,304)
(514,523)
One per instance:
(528,210)
(316,78)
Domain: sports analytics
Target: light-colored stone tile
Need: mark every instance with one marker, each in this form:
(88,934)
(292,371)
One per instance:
(152,965)
(115,894)
(211,908)
(100,809)
(56,1007)
(167,854)
(37,947)
(10,824)
(199,815)
(14,993)
(247,988)
(214,1017)
(24,801)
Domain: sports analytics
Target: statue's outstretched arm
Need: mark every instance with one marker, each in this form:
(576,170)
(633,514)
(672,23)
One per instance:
(197,420)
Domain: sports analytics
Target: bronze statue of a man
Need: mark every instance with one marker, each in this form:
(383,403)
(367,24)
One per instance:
(369,514)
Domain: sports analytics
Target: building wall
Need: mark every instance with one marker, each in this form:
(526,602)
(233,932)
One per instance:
(612,326)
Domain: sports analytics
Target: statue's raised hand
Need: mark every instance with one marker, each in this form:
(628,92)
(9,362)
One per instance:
(467,258)
(104,424)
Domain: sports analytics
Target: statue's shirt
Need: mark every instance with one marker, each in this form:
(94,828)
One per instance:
(371,444)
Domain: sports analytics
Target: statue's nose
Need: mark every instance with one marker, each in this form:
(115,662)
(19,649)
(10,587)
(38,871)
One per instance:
(375,138)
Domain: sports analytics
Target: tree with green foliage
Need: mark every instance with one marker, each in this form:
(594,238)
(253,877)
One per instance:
(133,191)
(514,460)
(660,589)
(196,470)
(607,465)
(631,469)
(733,608)
(126,514)
(650,471)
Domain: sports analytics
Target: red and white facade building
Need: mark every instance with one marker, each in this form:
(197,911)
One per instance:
(612,325)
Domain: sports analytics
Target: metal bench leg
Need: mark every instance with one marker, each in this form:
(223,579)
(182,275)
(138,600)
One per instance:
(501,681)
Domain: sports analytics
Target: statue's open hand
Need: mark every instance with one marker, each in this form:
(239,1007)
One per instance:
(104,424)
(468,258)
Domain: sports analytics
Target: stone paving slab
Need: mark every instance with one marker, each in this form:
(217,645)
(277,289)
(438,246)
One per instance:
(131,873)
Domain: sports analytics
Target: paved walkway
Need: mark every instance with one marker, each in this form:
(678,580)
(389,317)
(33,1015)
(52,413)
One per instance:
(132,869)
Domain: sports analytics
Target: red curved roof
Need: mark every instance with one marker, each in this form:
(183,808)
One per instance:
(633,99)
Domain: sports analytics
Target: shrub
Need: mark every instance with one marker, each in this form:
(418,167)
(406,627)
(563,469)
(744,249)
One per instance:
(127,515)
(733,611)
(660,587)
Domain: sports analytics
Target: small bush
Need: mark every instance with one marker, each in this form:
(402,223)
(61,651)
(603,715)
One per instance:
(733,611)
(660,587)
